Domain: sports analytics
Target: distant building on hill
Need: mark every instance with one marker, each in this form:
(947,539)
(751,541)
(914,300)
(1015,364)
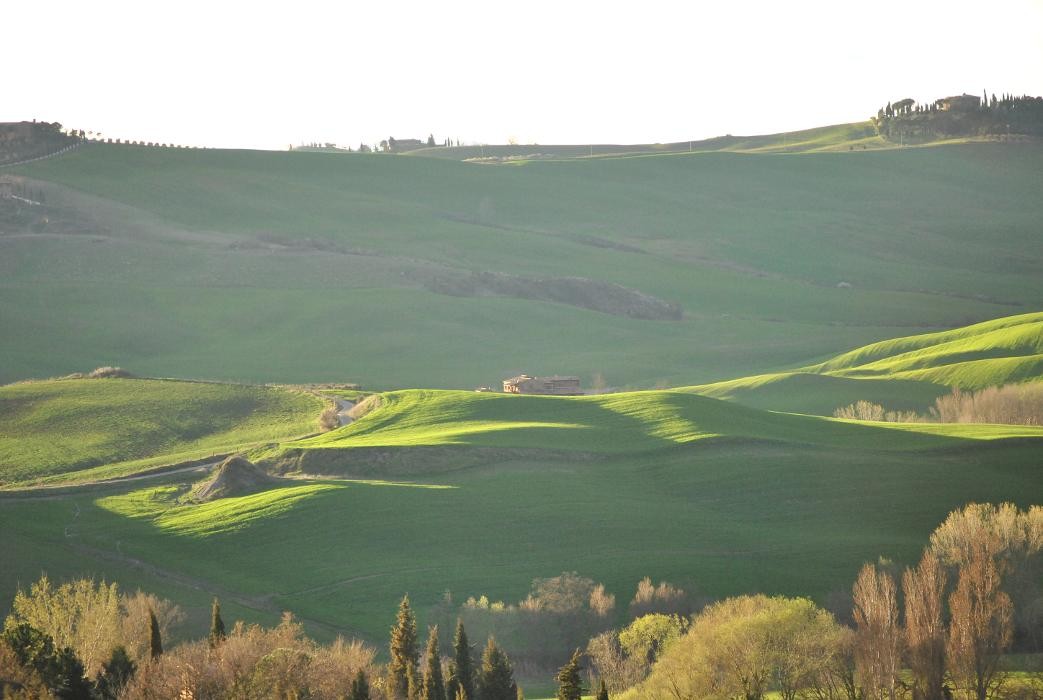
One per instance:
(959,103)
(394,145)
(554,386)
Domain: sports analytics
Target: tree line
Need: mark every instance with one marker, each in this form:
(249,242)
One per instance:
(1011,404)
(962,115)
(935,631)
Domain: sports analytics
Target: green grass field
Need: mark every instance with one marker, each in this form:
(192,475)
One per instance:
(904,373)
(298,267)
(718,515)
(70,430)
(838,137)
(325,267)
(617,423)
(718,497)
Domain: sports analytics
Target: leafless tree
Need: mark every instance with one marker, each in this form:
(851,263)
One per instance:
(981,626)
(924,591)
(878,641)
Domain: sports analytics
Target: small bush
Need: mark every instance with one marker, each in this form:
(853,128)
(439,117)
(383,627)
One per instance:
(329,419)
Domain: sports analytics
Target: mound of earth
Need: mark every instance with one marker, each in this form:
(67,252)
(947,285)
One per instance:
(235,476)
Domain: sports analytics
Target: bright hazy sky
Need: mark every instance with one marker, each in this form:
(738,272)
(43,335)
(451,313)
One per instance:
(264,74)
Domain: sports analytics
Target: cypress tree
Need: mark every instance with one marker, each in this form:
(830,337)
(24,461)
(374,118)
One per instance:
(602,691)
(496,679)
(359,687)
(570,687)
(403,662)
(155,642)
(217,625)
(433,687)
(461,675)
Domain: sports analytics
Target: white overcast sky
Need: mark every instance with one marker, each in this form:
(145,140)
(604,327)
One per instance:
(268,74)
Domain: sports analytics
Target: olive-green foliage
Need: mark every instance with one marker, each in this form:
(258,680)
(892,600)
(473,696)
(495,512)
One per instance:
(746,646)
(79,429)
(260,250)
(650,636)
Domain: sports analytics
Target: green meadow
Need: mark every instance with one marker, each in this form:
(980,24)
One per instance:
(742,273)
(906,373)
(292,267)
(717,515)
(70,430)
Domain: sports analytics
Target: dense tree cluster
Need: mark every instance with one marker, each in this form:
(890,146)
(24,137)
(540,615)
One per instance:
(906,120)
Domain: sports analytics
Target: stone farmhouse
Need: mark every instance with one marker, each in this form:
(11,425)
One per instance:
(553,386)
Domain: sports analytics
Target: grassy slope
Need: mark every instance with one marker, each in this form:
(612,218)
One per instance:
(613,423)
(73,430)
(795,514)
(751,246)
(837,137)
(905,373)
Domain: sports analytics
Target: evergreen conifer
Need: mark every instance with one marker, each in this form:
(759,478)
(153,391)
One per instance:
(433,687)
(461,674)
(155,641)
(570,687)
(496,679)
(403,654)
(217,625)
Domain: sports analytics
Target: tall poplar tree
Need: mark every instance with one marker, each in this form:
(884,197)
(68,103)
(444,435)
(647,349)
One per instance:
(403,653)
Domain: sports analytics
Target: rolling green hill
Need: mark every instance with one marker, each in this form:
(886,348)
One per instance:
(838,137)
(905,373)
(70,430)
(613,423)
(714,496)
(401,271)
